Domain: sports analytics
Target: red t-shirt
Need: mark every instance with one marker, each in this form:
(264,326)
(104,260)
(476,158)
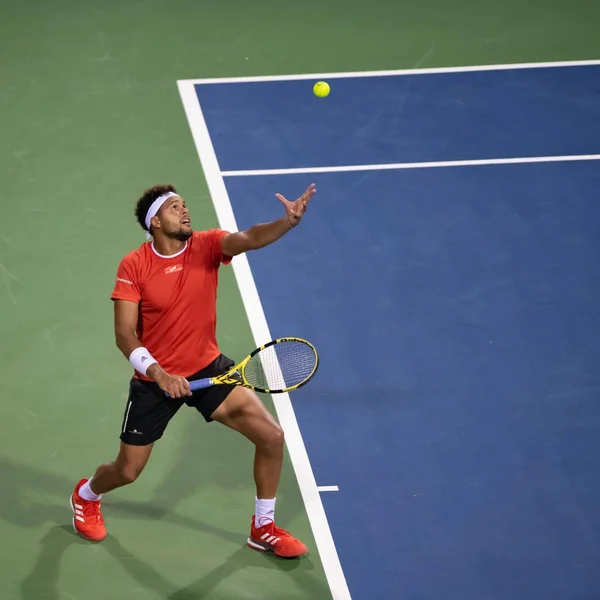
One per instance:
(177,297)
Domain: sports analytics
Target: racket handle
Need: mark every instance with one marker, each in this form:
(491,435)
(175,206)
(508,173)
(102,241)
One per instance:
(199,384)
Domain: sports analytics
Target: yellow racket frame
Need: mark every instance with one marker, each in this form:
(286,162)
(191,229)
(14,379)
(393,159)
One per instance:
(235,375)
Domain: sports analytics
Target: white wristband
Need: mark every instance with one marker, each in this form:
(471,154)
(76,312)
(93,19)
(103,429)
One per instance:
(141,359)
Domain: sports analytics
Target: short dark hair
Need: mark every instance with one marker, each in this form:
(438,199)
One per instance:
(150,195)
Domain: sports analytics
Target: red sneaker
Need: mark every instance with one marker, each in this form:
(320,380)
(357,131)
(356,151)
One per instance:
(270,538)
(88,521)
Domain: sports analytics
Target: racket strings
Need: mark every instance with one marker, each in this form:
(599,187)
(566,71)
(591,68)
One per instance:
(281,366)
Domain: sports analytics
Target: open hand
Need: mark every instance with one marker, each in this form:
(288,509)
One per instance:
(296,209)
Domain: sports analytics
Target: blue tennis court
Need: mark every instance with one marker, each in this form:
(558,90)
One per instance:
(456,310)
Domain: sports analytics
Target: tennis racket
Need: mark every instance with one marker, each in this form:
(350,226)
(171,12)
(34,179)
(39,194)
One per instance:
(282,365)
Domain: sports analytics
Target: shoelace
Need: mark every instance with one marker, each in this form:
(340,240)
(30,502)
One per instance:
(280,533)
(92,509)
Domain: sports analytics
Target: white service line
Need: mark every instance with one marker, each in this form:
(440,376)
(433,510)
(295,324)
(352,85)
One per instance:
(260,330)
(413,165)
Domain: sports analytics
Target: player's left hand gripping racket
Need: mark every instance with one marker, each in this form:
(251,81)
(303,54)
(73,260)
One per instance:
(282,365)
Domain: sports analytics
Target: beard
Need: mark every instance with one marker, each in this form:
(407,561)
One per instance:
(180,234)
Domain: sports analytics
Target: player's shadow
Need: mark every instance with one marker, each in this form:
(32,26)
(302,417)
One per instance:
(27,495)
(43,580)
(242,559)
(155,511)
(28,499)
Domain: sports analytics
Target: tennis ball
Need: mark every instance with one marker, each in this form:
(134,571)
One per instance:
(321,89)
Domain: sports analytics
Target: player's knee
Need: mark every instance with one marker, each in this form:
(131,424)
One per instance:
(274,437)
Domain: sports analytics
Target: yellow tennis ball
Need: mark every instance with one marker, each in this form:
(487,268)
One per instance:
(321,89)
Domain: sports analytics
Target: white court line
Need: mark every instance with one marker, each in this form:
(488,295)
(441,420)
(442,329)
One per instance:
(328,488)
(413,165)
(260,330)
(423,71)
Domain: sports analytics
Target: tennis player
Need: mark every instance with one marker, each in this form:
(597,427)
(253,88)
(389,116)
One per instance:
(165,324)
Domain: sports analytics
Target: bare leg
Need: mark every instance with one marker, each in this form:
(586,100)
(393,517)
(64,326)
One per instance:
(244,412)
(129,463)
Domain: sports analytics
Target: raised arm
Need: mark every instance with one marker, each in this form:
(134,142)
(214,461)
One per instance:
(263,234)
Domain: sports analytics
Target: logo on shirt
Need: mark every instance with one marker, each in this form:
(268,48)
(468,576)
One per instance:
(125,280)
(173,269)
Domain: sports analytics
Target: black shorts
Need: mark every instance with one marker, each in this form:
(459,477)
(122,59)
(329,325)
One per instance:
(149,410)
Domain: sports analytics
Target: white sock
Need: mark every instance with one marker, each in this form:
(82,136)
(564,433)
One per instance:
(264,511)
(86,492)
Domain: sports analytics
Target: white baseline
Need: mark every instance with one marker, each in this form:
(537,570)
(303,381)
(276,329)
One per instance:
(393,73)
